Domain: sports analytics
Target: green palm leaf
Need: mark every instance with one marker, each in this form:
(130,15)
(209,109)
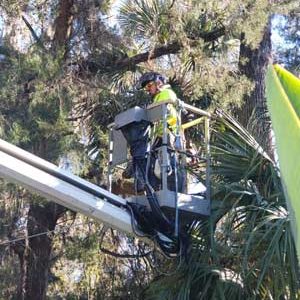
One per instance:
(143,18)
(283,97)
(245,249)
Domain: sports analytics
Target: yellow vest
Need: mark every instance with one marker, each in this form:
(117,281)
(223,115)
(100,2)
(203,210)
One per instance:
(166,93)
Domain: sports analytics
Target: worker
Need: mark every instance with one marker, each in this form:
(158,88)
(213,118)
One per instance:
(156,86)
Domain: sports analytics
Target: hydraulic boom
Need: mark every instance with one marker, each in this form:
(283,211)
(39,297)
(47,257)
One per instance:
(62,187)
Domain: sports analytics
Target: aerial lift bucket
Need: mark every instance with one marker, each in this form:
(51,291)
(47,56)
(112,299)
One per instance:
(131,130)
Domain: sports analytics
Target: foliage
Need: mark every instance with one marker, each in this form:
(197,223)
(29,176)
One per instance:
(282,91)
(58,101)
(245,250)
(206,44)
(81,267)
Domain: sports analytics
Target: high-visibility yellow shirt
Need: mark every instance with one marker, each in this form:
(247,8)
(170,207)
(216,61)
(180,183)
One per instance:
(166,93)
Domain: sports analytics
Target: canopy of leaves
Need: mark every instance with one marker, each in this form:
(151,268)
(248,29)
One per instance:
(65,72)
(246,249)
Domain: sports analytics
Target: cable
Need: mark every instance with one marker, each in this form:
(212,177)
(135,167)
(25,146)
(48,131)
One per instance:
(7,242)
(153,202)
(118,255)
(3,243)
(162,225)
(135,230)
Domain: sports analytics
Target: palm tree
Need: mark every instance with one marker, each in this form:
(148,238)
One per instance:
(245,249)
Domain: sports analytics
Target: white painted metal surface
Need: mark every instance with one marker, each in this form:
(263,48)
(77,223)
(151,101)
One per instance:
(50,168)
(14,168)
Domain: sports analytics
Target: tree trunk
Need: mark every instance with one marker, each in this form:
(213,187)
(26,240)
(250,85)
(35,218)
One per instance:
(19,249)
(63,26)
(41,219)
(253,64)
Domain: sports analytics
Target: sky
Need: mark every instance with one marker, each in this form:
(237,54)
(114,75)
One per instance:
(277,39)
(1,27)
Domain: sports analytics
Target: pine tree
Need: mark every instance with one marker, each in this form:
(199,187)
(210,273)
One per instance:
(77,73)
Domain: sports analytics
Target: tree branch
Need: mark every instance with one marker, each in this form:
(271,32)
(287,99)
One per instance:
(130,63)
(33,33)
(118,255)
(172,4)
(63,24)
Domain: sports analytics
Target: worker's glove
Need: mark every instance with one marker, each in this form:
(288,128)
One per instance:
(187,117)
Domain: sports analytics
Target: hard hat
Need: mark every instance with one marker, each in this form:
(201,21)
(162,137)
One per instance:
(148,77)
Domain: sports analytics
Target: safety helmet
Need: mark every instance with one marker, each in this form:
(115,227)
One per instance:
(148,77)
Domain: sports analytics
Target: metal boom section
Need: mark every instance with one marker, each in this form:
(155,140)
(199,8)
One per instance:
(62,187)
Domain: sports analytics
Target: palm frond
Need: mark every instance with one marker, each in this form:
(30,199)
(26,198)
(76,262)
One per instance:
(245,249)
(142,18)
(283,101)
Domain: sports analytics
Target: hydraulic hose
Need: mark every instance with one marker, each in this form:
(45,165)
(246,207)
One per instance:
(153,202)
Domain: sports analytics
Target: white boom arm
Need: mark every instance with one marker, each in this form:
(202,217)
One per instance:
(62,187)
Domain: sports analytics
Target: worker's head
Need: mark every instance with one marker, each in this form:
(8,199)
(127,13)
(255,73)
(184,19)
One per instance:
(151,82)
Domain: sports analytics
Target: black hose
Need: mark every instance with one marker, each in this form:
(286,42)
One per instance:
(153,202)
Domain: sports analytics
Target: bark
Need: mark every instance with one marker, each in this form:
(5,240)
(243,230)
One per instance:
(253,64)
(63,26)
(19,249)
(35,262)
(130,63)
(41,218)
